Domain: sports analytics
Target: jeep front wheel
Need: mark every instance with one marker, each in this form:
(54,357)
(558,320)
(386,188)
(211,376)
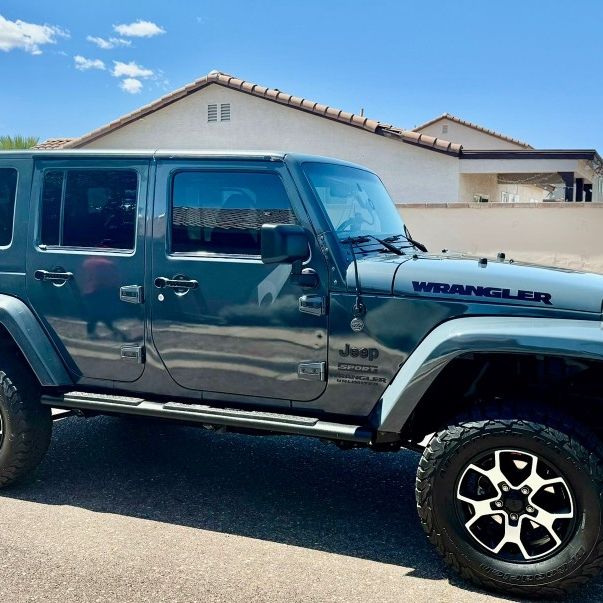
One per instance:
(25,425)
(512,500)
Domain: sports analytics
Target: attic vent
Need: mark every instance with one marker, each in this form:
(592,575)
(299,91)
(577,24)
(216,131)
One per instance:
(212,112)
(445,129)
(225,112)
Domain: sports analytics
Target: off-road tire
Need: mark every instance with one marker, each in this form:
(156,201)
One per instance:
(26,424)
(550,435)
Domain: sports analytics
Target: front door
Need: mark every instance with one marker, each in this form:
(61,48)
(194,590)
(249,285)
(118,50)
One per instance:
(86,263)
(222,321)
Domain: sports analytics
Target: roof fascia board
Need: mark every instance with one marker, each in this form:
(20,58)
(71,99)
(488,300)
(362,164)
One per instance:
(533,154)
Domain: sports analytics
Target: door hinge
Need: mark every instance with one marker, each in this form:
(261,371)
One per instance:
(313,304)
(133,352)
(312,371)
(132,294)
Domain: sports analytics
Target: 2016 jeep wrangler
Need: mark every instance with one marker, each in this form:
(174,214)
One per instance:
(279,293)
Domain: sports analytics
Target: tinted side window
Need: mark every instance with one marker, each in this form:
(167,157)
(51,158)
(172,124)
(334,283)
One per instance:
(51,207)
(89,208)
(8,191)
(222,212)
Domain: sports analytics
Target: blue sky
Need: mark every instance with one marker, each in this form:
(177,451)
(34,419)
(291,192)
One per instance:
(531,69)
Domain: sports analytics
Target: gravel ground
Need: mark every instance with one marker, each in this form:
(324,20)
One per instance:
(131,511)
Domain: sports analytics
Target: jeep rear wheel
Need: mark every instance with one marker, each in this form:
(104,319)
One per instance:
(25,425)
(512,500)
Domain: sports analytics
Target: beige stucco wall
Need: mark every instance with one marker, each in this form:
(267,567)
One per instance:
(478,184)
(567,235)
(412,174)
(470,138)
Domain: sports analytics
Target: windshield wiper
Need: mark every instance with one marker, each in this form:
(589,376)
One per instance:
(367,238)
(409,238)
(388,245)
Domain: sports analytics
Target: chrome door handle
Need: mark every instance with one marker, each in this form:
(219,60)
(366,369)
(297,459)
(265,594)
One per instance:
(161,282)
(52,276)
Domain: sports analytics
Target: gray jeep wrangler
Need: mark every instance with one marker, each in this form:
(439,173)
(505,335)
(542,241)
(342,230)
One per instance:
(277,293)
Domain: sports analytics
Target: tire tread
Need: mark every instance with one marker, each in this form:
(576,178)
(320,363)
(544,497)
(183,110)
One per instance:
(30,425)
(562,431)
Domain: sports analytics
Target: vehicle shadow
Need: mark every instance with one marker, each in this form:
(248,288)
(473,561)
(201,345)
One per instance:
(288,490)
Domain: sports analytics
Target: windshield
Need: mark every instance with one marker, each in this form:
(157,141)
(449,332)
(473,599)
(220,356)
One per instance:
(355,200)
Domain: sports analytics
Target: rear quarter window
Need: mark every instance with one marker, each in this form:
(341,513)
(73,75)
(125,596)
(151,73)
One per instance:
(8,192)
(89,208)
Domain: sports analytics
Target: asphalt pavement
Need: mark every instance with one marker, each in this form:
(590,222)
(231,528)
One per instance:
(130,511)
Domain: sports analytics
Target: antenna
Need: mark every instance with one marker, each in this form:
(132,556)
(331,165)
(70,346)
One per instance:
(359,308)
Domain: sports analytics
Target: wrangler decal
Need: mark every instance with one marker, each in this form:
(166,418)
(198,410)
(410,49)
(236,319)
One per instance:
(478,291)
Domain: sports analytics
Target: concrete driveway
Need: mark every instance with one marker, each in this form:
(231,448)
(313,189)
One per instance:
(129,511)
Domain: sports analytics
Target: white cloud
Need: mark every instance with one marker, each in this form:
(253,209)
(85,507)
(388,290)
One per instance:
(131,70)
(131,74)
(108,44)
(131,85)
(83,64)
(160,80)
(27,36)
(139,29)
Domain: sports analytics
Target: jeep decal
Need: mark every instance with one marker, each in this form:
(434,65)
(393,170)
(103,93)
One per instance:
(479,291)
(370,353)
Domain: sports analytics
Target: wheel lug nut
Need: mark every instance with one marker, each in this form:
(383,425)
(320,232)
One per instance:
(498,503)
(513,517)
(525,490)
(504,488)
(530,509)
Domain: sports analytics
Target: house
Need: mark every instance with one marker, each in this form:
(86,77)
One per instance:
(470,135)
(565,181)
(442,161)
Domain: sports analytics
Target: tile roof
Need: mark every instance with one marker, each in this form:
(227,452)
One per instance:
(52,143)
(469,124)
(274,95)
(423,140)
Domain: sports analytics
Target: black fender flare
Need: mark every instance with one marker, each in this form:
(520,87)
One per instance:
(549,336)
(35,345)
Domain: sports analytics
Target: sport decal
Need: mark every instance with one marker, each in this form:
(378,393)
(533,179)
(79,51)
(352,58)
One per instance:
(359,373)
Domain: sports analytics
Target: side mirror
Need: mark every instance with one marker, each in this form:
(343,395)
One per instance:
(284,244)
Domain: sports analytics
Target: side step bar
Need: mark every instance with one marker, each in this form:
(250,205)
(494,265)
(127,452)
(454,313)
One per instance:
(200,413)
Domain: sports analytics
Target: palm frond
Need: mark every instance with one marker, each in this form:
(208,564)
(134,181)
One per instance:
(18,142)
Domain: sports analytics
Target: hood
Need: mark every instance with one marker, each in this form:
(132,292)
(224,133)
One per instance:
(468,278)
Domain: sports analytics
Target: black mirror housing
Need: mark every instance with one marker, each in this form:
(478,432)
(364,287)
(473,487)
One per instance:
(284,244)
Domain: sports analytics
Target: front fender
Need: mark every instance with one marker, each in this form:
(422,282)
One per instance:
(553,337)
(33,342)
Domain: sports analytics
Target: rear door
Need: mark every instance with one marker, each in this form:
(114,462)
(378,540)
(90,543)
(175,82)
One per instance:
(85,265)
(234,325)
